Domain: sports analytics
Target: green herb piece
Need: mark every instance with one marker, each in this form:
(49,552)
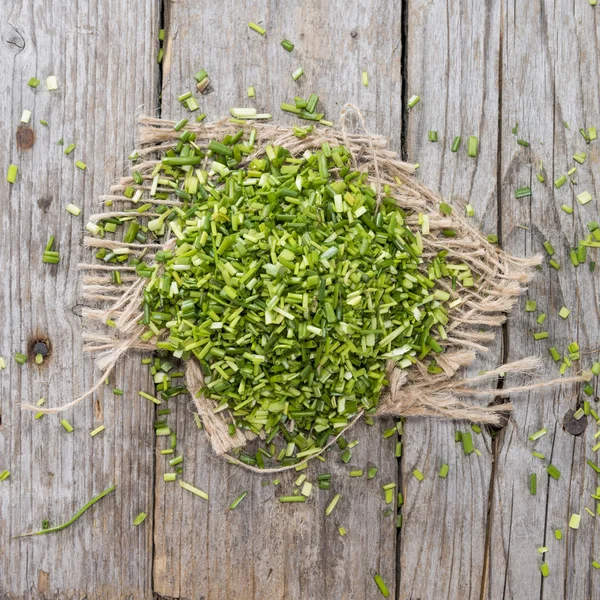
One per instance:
(432,136)
(372,472)
(292,498)
(542,335)
(169,476)
(533,484)
(564,312)
(592,133)
(558,534)
(25,116)
(530,306)
(4,474)
(287,45)
(332,504)
(584,198)
(467,443)
(560,181)
(11,175)
(476,428)
(455,144)
(553,472)
(193,490)
(51,83)
(149,397)
(235,503)
(574,521)
(364,78)
(554,264)
(593,465)
(192,103)
(74,517)
(80,165)
(543,549)
(256,28)
(566,208)
(444,469)
(541,318)
(584,134)
(381,585)
(549,248)
(523,143)
(538,434)
(68,427)
(470,211)
(20,358)
(580,157)
(33,82)
(472,146)
(96,431)
(251,92)
(70,149)
(545,569)
(522,192)
(342,530)
(538,455)
(297,73)
(44,122)
(140,519)
(74,210)
(2,363)
(413,101)
(515,129)
(418,475)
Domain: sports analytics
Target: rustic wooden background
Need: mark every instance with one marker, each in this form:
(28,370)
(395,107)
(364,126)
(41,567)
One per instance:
(479,68)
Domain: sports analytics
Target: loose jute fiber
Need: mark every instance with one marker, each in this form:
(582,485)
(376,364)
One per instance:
(499,280)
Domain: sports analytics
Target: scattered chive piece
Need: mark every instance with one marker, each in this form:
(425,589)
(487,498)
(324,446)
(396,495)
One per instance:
(542,335)
(25,116)
(176,461)
(364,77)
(297,73)
(458,436)
(381,585)
(589,512)
(11,175)
(584,134)
(73,518)
(543,549)
(251,92)
(418,475)
(356,473)
(292,498)
(545,569)
(492,238)
(68,427)
(159,56)
(169,476)
(455,144)
(432,136)
(332,504)
(515,129)
(578,414)
(580,157)
(472,146)
(306,489)
(541,318)
(558,534)
(194,490)
(549,248)
(592,134)
(560,181)
(167,451)
(2,363)
(467,443)
(149,397)
(443,473)
(574,521)
(553,472)
(533,484)
(80,165)
(372,472)
(200,118)
(287,45)
(540,177)
(180,124)
(554,264)
(470,211)
(475,428)
(538,455)
(522,192)
(596,368)
(523,143)
(4,475)
(39,359)
(140,519)
(97,430)
(584,198)
(44,122)
(33,82)
(566,208)
(234,504)
(413,101)
(74,210)
(342,530)
(192,104)
(564,312)
(70,149)
(256,28)
(593,465)
(20,358)
(51,83)
(530,306)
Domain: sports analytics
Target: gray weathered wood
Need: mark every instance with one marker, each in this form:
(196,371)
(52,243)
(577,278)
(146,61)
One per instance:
(265,549)
(550,73)
(452,63)
(101,85)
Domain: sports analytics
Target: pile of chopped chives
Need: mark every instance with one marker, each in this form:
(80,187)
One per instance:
(287,284)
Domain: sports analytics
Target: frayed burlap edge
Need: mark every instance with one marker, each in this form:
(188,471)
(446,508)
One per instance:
(499,279)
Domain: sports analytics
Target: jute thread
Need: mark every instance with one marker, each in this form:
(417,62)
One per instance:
(500,279)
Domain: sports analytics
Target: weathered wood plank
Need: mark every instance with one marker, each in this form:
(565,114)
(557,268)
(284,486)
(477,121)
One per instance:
(265,549)
(101,85)
(452,63)
(549,76)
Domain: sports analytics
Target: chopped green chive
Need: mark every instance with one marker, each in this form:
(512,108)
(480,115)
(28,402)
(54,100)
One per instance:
(2,363)
(580,157)
(545,569)
(33,82)
(251,92)
(11,175)
(149,397)
(381,585)
(44,122)
(523,143)
(70,149)
(372,472)
(533,484)
(470,211)
(444,469)
(542,335)
(413,101)
(522,192)
(467,442)
(25,116)
(297,73)
(584,198)
(20,358)
(68,427)
(140,519)
(472,146)
(455,144)
(538,434)
(96,431)
(553,472)
(80,165)
(564,312)
(193,490)
(51,83)
(74,210)
(530,306)
(169,476)
(560,181)
(538,455)
(574,521)
(418,475)
(554,264)
(235,503)
(256,28)
(287,45)
(558,534)
(365,78)
(432,136)
(592,133)
(332,504)
(4,475)
(342,530)
(292,498)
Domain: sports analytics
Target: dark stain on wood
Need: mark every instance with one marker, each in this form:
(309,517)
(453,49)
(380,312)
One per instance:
(44,203)
(25,137)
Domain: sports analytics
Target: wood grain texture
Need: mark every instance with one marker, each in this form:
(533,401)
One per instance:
(452,63)
(550,69)
(265,549)
(54,473)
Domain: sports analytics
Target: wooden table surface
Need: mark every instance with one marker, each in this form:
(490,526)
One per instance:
(479,68)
